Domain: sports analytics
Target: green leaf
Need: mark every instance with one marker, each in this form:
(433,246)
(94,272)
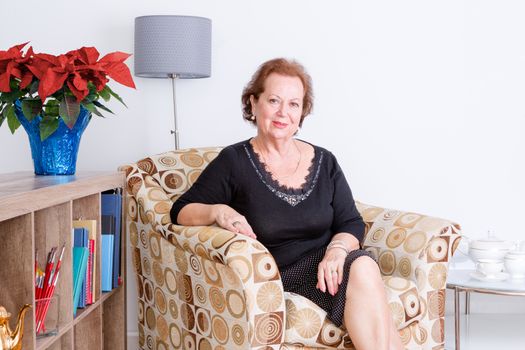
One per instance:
(91,107)
(12,120)
(51,108)
(14,84)
(31,108)
(10,97)
(61,93)
(48,125)
(69,109)
(90,98)
(116,96)
(105,93)
(101,106)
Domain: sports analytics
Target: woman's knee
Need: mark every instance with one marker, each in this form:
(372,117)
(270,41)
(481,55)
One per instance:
(364,273)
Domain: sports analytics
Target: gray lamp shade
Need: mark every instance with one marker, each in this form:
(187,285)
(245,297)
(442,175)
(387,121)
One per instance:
(166,45)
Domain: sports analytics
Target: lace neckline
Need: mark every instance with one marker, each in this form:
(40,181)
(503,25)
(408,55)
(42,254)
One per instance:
(292,196)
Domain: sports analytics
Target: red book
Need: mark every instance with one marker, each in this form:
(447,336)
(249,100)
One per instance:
(89,273)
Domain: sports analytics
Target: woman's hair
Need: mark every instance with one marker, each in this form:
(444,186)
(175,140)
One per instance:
(280,66)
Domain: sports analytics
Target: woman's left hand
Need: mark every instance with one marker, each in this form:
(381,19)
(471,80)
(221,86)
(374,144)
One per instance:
(330,270)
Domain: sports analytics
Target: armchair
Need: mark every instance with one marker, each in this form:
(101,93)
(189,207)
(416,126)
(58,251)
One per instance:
(204,287)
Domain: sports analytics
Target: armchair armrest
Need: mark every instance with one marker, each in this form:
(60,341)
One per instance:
(235,276)
(404,242)
(255,270)
(418,248)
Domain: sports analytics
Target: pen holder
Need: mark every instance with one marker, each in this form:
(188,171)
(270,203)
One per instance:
(47,316)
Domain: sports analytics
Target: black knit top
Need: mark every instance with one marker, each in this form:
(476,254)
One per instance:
(291,223)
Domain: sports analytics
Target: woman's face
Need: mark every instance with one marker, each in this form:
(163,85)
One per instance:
(278,109)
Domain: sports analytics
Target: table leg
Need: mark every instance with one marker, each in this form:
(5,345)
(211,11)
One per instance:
(467,302)
(456,318)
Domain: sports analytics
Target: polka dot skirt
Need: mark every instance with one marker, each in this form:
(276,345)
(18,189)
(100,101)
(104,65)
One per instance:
(301,278)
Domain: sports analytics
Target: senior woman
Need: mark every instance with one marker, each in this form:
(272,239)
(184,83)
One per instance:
(293,197)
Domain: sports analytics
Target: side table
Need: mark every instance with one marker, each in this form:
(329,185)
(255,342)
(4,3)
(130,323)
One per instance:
(460,281)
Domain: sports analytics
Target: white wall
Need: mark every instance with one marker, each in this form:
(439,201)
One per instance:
(423,102)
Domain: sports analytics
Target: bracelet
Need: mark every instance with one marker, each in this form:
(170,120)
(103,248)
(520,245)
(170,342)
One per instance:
(340,246)
(337,244)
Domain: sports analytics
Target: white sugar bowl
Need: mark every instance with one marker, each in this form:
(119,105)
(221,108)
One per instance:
(515,264)
(491,249)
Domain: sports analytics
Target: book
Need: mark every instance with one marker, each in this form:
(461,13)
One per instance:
(91,226)
(90,294)
(80,257)
(81,239)
(106,262)
(112,206)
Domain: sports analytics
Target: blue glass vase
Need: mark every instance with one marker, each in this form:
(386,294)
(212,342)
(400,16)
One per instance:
(57,154)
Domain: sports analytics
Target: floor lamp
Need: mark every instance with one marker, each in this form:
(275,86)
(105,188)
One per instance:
(175,47)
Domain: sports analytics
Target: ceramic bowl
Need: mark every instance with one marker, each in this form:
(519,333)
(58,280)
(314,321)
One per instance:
(487,255)
(515,264)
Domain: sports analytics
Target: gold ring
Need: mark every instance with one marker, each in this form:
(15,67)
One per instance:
(235,223)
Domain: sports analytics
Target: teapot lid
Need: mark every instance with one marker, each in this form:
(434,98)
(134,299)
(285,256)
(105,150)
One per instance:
(490,242)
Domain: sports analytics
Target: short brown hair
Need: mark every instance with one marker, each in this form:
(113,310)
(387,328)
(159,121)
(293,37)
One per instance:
(281,66)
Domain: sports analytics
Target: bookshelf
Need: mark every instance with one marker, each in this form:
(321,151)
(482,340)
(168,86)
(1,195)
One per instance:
(36,213)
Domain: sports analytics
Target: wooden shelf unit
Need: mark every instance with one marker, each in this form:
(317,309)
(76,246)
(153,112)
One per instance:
(36,214)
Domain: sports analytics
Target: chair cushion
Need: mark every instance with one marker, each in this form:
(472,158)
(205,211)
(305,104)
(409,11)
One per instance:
(307,324)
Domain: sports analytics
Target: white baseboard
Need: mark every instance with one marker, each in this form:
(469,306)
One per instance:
(133,340)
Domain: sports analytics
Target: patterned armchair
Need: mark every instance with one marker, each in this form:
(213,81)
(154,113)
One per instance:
(203,287)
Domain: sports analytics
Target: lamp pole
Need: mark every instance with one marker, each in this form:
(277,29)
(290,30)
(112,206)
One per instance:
(175,132)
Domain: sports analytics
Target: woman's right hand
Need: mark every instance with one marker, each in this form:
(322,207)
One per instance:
(229,219)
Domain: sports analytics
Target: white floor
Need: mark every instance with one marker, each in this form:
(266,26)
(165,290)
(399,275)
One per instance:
(487,331)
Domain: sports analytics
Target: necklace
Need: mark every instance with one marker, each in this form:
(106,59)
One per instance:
(280,177)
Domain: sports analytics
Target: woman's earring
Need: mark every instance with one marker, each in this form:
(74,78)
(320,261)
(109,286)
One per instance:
(252,118)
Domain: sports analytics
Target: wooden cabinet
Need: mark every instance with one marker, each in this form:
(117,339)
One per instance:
(36,214)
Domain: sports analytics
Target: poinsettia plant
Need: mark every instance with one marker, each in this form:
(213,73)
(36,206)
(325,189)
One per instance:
(55,87)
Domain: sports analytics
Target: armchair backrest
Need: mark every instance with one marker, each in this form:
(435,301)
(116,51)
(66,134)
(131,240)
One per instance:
(176,171)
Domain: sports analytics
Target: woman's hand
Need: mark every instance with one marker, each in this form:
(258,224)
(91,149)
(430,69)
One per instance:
(330,270)
(229,219)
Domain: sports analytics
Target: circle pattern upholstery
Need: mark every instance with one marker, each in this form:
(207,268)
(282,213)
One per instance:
(207,288)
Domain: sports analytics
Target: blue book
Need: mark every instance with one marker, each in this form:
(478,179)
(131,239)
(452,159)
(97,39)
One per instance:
(112,207)
(106,263)
(80,258)
(80,236)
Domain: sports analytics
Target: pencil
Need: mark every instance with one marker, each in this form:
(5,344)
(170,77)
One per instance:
(51,290)
(48,279)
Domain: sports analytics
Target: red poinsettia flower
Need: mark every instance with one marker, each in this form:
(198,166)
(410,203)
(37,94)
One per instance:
(13,64)
(79,73)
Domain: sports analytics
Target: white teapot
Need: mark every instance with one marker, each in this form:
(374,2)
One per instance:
(490,249)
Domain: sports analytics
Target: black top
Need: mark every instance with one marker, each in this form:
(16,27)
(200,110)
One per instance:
(291,223)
